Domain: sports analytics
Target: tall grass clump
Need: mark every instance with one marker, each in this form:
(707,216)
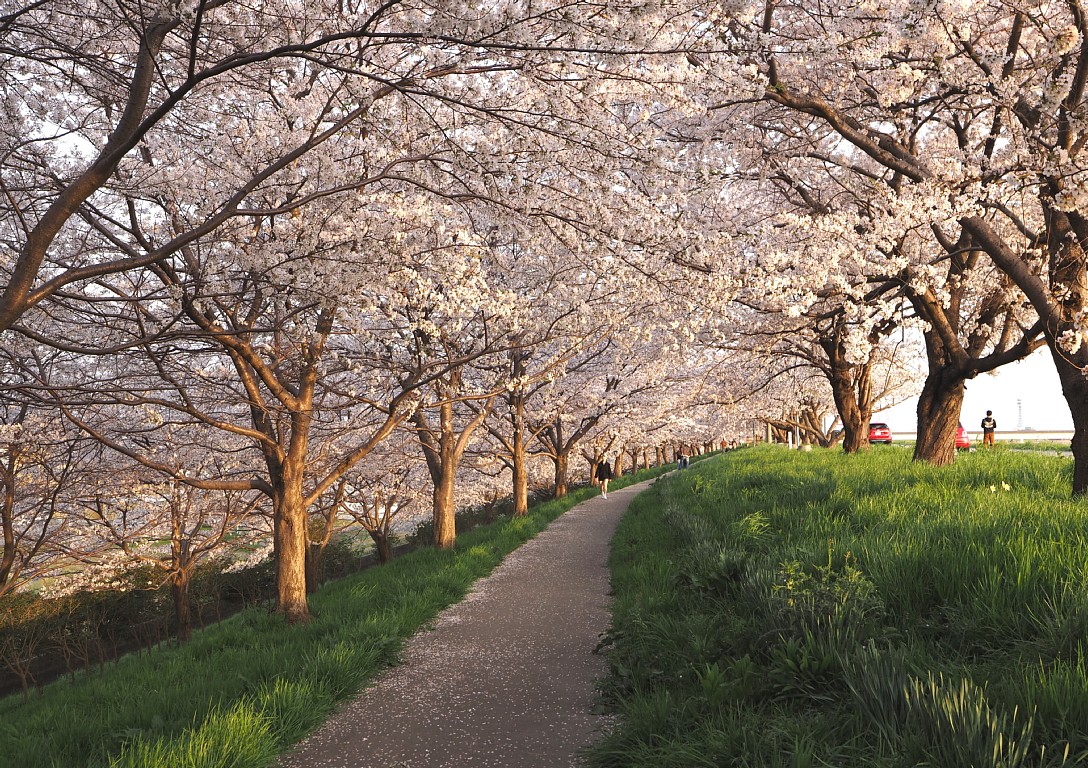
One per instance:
(821,609)
(244,690)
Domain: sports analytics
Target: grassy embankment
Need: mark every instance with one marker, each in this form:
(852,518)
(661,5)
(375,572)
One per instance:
(241,692)
(779,608)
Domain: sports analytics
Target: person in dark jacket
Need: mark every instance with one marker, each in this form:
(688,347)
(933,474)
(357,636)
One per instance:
(989,424)
(604,474)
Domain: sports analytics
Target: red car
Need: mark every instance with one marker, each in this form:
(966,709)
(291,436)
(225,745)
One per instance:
(963,440)
(880,433)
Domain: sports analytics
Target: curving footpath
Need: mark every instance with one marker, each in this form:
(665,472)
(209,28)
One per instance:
(506,677)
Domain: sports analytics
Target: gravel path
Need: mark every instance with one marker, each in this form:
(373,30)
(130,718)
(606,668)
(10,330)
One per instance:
(505,678)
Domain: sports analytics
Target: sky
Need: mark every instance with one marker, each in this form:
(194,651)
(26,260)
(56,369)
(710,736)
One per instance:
(1028,390)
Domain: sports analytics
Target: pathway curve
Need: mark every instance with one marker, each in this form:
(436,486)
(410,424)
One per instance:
(506,677)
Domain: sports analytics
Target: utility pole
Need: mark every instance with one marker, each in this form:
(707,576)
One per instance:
(1019,415)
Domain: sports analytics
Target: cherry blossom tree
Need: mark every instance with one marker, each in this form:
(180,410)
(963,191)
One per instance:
(197,526)
(241,331)
(258,366)
(566,325)
(382,493)
(45,472)
(1020,104)
(103,102)
(602,389)
(864,365)
(872,149)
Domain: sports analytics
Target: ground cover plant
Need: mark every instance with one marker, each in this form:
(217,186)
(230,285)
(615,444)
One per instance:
(242,691)
(778,608)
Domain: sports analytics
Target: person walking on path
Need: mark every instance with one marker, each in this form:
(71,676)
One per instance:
(504,679)
(603,475)
(989,424)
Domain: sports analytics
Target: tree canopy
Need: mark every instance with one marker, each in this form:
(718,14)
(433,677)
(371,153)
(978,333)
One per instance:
(358,256)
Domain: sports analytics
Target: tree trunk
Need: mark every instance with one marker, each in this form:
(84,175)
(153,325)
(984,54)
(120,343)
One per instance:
(939,408)
(445,513)
(290,535)
(1075,389)
(443,448)
(520,474)
(561,461)
(851,387)
(382,545)
(855,416)
(7,515)
(315,554)
(183,613)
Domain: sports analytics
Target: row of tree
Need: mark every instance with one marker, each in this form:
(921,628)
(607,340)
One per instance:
(919,164)
(305,265)
(290,264)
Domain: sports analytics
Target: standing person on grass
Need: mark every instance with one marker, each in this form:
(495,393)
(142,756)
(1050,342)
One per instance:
(603,475)
(989,424)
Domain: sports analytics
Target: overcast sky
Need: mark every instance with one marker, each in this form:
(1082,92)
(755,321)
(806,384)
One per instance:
(1033,382)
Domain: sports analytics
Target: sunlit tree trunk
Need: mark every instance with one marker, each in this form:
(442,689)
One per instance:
(561,461)
(521,478)
(445,510)
(290,544)
(443,446)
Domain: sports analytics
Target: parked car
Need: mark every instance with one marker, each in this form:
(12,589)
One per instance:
(880,433)
(963,440)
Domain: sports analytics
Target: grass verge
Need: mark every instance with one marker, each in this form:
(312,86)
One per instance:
(777,608)
(242,691)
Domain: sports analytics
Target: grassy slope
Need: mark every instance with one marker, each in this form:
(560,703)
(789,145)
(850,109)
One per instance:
(242,691)
(778,608)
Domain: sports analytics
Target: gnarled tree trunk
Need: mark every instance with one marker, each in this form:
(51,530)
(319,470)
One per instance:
(852,389)
(939,408)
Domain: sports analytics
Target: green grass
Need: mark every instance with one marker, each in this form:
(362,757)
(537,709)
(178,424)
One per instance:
(1056,446)
(243,691)
(778,608)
